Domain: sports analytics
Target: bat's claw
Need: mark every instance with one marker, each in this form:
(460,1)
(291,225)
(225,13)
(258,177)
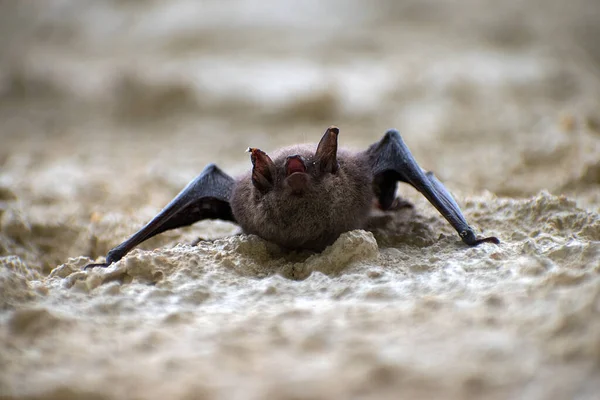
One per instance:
(469,238)
(490,239)
(112,257)
(101,265)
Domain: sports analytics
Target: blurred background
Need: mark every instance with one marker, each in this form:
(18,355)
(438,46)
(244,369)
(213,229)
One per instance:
(110,106)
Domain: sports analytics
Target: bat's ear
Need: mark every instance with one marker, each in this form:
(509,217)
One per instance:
(263,170)
(326,155)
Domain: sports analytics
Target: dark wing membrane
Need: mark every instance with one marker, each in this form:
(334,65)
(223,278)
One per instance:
(392,161)
(206,197)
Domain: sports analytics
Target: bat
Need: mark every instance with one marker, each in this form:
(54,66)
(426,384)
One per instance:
(306,196)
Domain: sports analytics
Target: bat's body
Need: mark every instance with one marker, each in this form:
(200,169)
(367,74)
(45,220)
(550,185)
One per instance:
(306,196)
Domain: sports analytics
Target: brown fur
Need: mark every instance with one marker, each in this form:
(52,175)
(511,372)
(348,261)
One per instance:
(331,204)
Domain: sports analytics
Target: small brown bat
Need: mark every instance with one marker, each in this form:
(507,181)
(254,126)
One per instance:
(306,196)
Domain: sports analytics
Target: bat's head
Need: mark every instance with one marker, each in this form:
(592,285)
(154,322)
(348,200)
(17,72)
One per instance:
(297,170)
(306,195)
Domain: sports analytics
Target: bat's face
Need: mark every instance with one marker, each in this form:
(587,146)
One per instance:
(296,170)
(305,196)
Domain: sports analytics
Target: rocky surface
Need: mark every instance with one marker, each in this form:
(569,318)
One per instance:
(107,109)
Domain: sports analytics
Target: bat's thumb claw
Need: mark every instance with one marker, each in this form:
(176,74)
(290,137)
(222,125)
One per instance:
(469,238)
(491,239)
(100,265)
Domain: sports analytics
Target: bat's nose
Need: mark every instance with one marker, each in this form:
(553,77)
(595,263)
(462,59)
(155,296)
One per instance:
(294,164)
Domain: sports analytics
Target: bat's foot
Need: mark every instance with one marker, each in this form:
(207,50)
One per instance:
(397,205)
(400,204)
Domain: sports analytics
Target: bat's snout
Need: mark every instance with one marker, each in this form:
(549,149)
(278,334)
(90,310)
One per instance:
(296,177)
(294,164)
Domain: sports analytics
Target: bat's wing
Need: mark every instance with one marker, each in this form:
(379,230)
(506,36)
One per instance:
(392,161)
(206,197)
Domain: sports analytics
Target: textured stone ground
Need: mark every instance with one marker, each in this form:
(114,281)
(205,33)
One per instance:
(107,109)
